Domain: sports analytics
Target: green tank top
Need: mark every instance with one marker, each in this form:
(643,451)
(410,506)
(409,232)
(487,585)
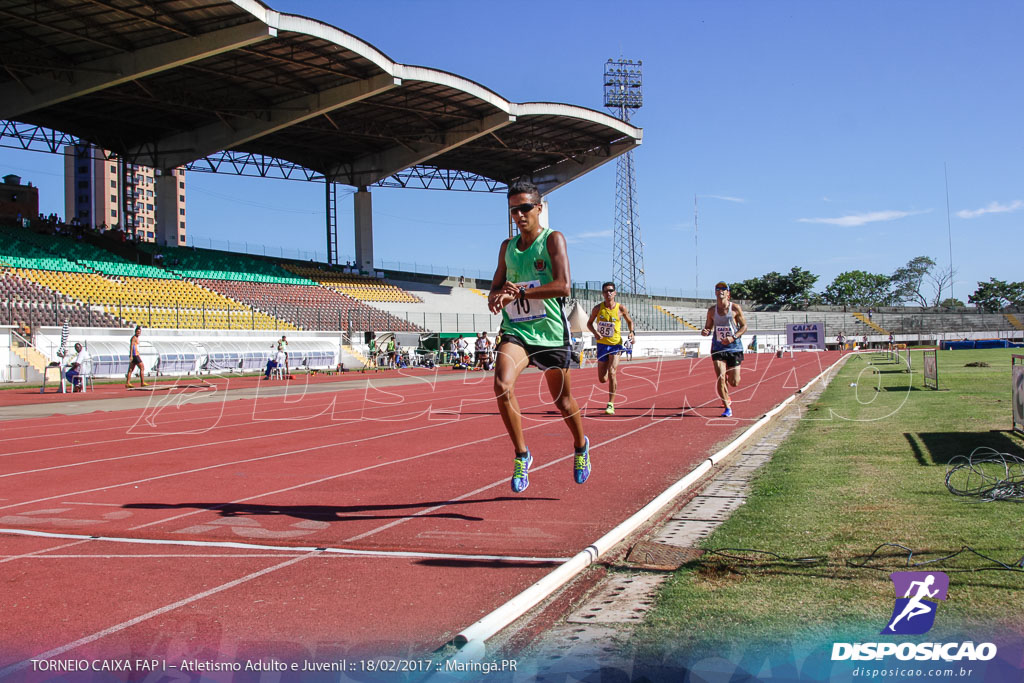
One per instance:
(538,322)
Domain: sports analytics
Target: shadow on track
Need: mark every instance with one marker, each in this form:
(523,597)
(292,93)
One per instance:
(327,513)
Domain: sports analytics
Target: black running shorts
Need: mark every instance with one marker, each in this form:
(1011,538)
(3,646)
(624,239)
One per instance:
(543,357)
(732,359)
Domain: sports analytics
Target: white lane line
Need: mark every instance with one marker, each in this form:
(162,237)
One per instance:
(103,505)
(11,558)
(25,663)
(178,556)
(351,552)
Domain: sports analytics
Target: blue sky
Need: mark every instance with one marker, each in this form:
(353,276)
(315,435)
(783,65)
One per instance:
(814,134)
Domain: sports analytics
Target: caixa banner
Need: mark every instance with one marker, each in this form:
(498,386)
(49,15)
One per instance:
(806,335)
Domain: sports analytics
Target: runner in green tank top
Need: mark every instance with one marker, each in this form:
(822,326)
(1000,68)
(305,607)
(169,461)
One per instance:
(529,287)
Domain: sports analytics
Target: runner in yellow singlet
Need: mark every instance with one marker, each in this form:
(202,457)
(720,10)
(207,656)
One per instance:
(606,325)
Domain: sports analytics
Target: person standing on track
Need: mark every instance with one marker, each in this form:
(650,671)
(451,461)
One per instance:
(482,360)
(529,288)
(726,322)
(605,324)
(136,361)
(282,347)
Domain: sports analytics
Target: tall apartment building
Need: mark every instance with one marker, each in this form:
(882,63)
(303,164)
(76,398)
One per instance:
(108,192)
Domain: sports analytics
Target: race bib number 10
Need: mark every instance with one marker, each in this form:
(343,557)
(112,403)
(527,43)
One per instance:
(524,310)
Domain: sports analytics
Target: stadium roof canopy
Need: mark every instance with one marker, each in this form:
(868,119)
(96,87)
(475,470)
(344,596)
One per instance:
(167,82)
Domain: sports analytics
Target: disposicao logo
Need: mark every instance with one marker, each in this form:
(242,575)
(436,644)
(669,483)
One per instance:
(917,594)
(914,612)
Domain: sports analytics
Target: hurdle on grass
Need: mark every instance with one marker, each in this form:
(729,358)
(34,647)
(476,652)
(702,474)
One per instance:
(892,353)
(906,348)
(1017,394)
(931,368)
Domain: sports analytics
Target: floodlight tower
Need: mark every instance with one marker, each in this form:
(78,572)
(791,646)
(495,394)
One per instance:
(623,93)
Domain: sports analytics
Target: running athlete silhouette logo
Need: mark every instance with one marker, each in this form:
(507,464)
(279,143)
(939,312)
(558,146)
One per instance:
(914,612)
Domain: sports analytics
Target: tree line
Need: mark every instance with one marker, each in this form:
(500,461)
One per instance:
(918,283)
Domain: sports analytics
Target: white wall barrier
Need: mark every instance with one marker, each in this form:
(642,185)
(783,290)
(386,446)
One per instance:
(189,352)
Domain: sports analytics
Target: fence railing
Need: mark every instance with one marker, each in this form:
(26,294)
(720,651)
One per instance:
(17,367)
(646,312)
(257,249)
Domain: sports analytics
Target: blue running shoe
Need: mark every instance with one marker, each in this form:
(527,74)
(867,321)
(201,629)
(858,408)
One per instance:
(727,412)
(581,462)
(521,473)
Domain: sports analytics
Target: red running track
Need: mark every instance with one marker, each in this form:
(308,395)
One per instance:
(414,476)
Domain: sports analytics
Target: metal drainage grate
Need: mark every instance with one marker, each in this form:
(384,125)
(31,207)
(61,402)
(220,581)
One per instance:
(661,557)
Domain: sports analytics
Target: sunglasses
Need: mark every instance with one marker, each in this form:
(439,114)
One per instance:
(609,291)
(522,208)
(721,289)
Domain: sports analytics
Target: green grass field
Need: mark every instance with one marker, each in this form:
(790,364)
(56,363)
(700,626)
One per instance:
(866,466)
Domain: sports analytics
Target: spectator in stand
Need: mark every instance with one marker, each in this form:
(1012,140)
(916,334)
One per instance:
(462,281)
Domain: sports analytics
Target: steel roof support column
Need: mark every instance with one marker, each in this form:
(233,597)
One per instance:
(169,207)
(363,206)
(332,223)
